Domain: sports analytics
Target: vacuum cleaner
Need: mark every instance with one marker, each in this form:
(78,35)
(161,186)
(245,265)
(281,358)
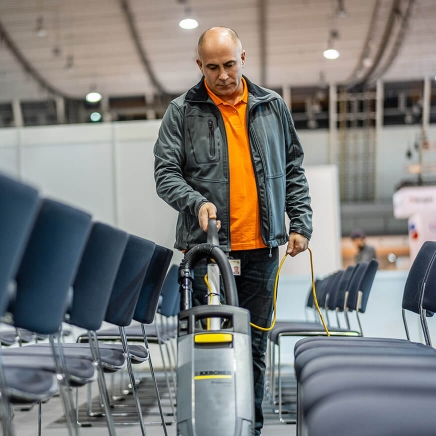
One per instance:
(214,367)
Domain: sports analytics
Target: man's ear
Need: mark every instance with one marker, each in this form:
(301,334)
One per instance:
(200,64)
(243,57)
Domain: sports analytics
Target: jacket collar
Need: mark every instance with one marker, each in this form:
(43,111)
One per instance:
(199,93)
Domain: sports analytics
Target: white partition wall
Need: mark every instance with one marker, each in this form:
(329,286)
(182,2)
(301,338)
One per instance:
(107,169)
(325,242)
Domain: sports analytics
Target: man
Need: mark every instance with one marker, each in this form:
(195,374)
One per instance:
(364,252)
(228,150)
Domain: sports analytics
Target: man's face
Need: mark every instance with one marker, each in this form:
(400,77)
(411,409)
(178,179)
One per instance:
(358,242)
(221,61)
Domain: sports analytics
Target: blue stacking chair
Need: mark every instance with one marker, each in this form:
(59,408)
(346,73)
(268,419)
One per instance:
(92,285)
(362,358)
(92,289)
(124,299)
(19,206)
(354,292)
(158,286)
(44,277)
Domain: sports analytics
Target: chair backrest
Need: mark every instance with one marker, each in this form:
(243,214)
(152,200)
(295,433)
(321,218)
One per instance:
(333,290)
(130,276)
(343,287)
(48,267)
(152,285)
(170,292)
(429,289)
(309,302)
(353,287)
(365,284)
(413,288)
(19,207)
(326,287)
(95,277)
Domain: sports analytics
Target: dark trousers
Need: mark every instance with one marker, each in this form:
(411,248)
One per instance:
(255,291)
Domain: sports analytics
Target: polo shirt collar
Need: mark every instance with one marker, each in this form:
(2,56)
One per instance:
(217,100)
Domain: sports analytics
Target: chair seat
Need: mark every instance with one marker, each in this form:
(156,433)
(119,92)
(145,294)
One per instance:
(375,412)
(9,337)
(133,333)
(382,350)
(304,329)
(80,370)
(27,385)
(111,359)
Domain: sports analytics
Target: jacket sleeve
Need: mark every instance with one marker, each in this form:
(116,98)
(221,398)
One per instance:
(169,159)
(297,189)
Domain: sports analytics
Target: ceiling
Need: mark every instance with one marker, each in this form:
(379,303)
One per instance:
(283,39)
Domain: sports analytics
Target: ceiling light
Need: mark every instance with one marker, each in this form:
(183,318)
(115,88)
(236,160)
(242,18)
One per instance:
(188,23)
(331,53)
(95,117)
(340,11)
(40,30)
(367,62)
(93,97)
(69,65)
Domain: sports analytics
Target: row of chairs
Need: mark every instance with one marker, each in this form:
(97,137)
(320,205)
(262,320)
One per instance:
(57,265)
(373,386)
(344,291)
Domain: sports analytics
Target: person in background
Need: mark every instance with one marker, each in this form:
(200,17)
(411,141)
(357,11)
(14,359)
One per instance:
(227,149)
(364,252)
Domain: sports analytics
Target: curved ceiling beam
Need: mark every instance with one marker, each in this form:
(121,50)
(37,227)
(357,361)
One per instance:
(28,67)
(384,56)
(405,17)
(353,76)
(139,47)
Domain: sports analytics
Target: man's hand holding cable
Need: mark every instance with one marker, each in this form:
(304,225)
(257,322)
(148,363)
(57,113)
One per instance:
(297,243)
(207,212)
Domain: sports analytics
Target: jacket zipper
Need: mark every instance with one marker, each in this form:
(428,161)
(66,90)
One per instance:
(211,139)
(255,173)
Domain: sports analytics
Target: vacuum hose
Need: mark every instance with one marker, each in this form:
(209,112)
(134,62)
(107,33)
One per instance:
(192,257)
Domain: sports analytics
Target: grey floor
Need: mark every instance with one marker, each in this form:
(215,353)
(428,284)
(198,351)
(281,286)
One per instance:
(25,422)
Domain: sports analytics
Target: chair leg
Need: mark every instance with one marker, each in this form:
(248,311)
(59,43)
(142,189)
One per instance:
(132,379)
(167,380)
(273,377)
(5,405)
(104,395)
(39,418)
(64,385)
(150,363)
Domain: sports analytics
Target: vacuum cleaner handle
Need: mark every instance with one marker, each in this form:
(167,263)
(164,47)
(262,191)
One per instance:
(212,233)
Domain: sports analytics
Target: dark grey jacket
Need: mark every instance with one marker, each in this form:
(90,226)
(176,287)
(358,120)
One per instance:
(191,166)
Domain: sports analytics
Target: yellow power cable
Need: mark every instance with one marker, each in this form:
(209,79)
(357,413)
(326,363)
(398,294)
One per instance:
(276,283)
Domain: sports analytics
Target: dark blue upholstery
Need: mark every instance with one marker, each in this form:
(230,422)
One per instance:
(19,205)
(170,292)
(396,411)
(353,287)
(429,297)
(125,293)
(48,266)
(343,287)
(414,282)
(96,276)
(152,285)
(333,290)
(366,282)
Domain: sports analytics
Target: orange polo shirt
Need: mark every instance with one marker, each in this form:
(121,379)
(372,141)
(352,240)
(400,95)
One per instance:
(244,203)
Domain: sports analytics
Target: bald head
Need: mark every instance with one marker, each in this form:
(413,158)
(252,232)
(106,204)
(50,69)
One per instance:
(221,59)
(218,35)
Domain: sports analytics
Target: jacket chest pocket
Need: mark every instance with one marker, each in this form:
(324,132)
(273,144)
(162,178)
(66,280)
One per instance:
(204,138)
